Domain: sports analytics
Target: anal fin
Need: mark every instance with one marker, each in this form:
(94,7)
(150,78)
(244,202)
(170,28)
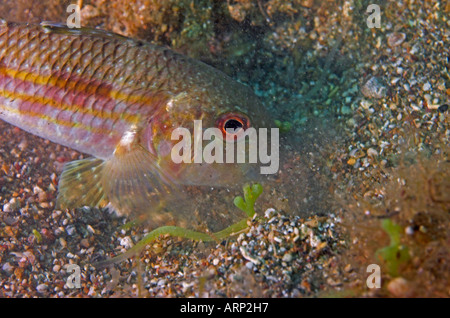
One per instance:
(131,182)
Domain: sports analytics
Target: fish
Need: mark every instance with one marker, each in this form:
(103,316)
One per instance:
(118,100)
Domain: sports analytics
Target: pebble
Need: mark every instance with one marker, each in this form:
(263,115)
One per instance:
(70,229)
(41,288)
(37,189)
(345,110)
(409,230)
(400,287)
(249,257)
(395,39)
(373,88)
(372,152)
(23,145)
(7,208)
(269,212)
(443,108)
(84,243)
(287,258)
(126,242)
(11,206)
(42,197)
(62,242)
(7,268)
(426,87)
(90,229)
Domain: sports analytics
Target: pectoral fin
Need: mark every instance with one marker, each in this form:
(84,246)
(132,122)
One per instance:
(133,181)
(130,180)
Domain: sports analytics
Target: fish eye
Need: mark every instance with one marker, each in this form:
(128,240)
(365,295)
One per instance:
(232,124)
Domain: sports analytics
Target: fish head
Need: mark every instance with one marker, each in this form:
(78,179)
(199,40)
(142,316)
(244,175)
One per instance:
(200,130)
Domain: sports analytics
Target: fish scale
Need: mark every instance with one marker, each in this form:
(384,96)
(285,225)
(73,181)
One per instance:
(70,83)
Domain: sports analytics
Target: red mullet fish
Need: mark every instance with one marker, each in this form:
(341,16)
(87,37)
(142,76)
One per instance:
(117,99)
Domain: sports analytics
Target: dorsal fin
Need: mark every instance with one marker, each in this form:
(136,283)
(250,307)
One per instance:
(61,28)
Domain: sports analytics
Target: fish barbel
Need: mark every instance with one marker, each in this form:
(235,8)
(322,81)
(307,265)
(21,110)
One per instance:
(117,99)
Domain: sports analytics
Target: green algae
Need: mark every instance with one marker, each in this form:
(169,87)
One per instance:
(246,204)
(284,126)
(395,254)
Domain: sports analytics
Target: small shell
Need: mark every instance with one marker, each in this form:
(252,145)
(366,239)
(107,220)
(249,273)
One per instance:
(395,39)
(374,88)
(400,287)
